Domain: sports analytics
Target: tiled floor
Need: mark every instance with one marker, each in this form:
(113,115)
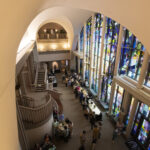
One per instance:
(73,110)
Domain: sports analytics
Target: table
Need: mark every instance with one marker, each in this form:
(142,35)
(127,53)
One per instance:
(93,107)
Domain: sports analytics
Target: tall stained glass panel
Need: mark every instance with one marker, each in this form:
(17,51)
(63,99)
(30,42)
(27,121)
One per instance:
(109,55)
(129,112)
(82,40)
(117,102)
(96,51)
(141,126)
(131,59)
(87,48)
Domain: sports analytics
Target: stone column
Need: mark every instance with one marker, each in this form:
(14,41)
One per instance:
(113,87)
(84,51)
(92,49)
(118,51)
(131,117)
(143,69)
(101,58)
(125,105)
(79,65)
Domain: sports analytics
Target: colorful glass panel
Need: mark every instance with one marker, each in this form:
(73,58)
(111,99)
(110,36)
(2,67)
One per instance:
(144,131)
(82,40)
(96,51)
(117,102)
(131,56)
(109,55)
(129,112)
(87,48)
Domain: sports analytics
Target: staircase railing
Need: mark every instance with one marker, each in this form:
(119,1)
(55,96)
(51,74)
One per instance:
(33,117)
(21,130)
(45,75)
(36,74)
(57,97)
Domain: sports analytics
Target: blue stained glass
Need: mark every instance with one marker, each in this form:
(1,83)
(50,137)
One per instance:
(144,131)
(131,56)
(81,39)
(87,48)
(98,20)
(109,55)
(149,147)
(118,97)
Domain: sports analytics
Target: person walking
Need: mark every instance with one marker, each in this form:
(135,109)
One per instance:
(96,131)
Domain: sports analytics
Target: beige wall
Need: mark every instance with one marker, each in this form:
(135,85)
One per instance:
(54,57)
(47,45)
(133,14)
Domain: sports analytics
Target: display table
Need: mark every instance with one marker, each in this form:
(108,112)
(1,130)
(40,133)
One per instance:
(93,107)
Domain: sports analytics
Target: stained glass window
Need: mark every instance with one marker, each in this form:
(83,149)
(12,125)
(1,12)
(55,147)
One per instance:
(147,79)
(131,59)
(81,68)
(144,131)
(81,39)
(117,102)
(129,111)
(109,55)
(87,48)
(96,51)
(141,126)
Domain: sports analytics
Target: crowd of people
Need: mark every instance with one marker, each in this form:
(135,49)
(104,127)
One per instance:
(62,128)
(47,144)
(95,120)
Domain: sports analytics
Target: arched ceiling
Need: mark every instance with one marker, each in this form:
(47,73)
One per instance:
(17,15)
(68,18)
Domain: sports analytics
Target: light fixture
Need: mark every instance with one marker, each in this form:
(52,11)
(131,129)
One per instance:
(44,30)
(53,46)
(65,45)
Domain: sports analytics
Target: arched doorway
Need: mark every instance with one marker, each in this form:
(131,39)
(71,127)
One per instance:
(55,66)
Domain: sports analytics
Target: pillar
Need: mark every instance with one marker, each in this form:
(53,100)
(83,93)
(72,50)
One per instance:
(101,57)
(118,51)
(131,117)
(143,69)
(84,51)
(92,49)
(79,65)
(125,105)
(113,87)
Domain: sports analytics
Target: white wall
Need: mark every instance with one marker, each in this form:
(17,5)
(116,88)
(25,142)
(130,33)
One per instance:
(54,57)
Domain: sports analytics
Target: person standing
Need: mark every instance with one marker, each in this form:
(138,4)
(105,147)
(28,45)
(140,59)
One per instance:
(66,82)
(92,121)
(82,140)
(115,134)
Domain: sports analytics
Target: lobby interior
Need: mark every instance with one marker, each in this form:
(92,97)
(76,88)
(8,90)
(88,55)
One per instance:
(105,42)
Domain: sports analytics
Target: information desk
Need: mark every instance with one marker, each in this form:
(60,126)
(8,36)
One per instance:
(93,107)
